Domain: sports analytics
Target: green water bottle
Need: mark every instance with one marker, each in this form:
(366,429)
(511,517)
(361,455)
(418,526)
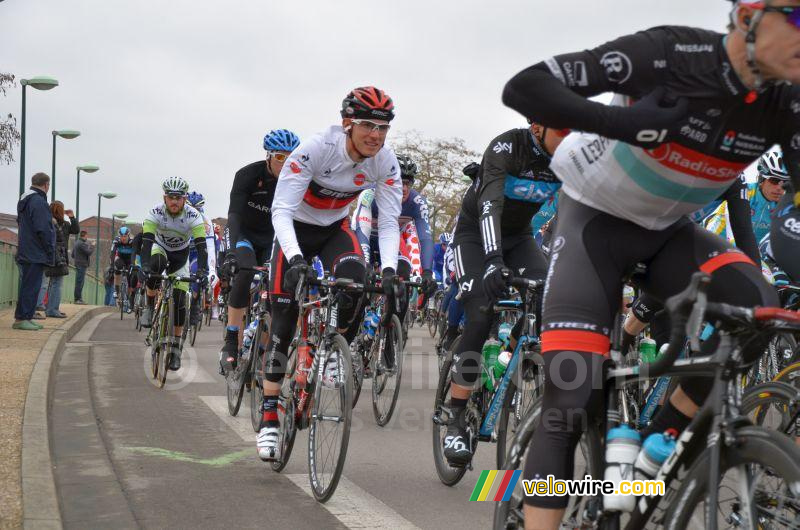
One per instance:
(647,350)
(500,366)
(491,349)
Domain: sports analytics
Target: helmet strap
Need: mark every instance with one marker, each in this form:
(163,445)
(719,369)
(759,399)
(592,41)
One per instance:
(750,44)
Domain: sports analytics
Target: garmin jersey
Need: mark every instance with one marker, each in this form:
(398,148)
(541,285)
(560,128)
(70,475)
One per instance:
(726,127)
(364,223)
(761,212)
(174,233)
(319,181)
(249,215)
(513,181)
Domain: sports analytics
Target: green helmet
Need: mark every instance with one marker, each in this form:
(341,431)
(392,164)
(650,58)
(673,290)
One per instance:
(175,185)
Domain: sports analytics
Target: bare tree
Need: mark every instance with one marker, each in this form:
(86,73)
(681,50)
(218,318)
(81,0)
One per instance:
(9,135)
(440,178)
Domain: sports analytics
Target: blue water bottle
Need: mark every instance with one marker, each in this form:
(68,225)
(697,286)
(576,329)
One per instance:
(655,451)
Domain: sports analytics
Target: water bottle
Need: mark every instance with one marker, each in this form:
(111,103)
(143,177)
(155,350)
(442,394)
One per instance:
(247,338)
(655,450)
(499,368)
(647,350)
(491,349)
(504,333)
(622,449)
(371,323)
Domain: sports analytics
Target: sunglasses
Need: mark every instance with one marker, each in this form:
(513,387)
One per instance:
(175,196)
(371,126)
(774,180)
(278,156)
(792,12)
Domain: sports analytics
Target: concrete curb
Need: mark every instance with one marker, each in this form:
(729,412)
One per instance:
(39,498)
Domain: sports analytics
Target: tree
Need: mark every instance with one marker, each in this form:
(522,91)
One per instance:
(440,178)
(9,135)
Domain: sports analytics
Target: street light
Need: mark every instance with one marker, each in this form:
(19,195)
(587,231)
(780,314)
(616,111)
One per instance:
(39,83)
(87,168)
(67,134)
(100,196)
(118,215)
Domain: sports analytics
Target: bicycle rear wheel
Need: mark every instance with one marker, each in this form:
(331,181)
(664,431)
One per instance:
(450,476)
(329,432)
(525,387)
(387,372)
(287,416)
(759,485)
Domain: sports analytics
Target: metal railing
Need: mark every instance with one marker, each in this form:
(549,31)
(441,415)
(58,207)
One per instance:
(9,281)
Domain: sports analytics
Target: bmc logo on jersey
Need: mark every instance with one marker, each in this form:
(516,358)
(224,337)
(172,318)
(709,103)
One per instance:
(294,167)
(499,147)
(359,179)
(618,66)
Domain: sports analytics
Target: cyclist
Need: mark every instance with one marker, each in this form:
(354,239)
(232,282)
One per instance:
(167,232)
(414,210)
(310,214)
(438,256)
(784,237)
(218,248)
(197,200)
(251,232)
(452,309)
(692,108)
(121,254)
(762,196)
(493,237)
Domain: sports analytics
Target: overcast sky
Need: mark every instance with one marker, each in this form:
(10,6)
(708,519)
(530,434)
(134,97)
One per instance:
(189,87)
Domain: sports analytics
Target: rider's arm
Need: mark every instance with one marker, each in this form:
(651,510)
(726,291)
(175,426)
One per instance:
(237,207)
(296,175)
(791,143)
(361,222)
(496,164)
(113,251)
(420,214)
(198,228)
(149,228)
(553,92)
(389,198)
(740,220)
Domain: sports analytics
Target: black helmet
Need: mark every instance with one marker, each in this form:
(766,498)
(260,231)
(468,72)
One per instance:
(471,170)
(408,168)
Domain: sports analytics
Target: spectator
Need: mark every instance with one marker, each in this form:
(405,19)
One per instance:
(81,252)
(37,248)
(61,268)
(109,283)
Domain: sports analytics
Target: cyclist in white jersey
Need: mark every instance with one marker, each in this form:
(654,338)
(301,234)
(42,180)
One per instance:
(319,180)
(167,232)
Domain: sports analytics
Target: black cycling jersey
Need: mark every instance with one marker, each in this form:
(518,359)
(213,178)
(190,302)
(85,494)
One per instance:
(725,120)
(136,244)
(251,200)
(513,181)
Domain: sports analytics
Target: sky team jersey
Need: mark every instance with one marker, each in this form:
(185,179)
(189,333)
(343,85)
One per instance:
(174,233)
(414,210)
(724,130)
(319,181)
(761,212)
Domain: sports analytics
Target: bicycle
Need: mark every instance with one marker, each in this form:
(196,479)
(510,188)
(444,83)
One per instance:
(305,401)
(491,413)
(139,301)
(207,294)
(160,337)
(122,295)
(717,440)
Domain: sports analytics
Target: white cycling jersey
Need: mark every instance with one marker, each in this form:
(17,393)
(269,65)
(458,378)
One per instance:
(319,181)
(174,233)
(211,247)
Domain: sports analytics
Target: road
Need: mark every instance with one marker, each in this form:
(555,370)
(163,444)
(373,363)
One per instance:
(129,455)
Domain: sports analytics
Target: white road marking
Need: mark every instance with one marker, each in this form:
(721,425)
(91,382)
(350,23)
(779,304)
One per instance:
(240,424)
(354,507)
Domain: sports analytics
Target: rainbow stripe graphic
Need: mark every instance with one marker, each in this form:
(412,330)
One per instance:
(494,485)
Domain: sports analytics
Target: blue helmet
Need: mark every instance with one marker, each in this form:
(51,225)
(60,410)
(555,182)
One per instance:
(196,199)
(281,140)
(445,238)
(123,230)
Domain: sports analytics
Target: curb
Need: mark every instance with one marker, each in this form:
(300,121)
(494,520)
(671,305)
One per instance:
(39,498)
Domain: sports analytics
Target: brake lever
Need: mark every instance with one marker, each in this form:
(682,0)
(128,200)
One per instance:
(694,324)
(298,292)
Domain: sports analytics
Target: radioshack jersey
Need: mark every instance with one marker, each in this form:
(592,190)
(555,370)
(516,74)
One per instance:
(319,181)
(727,126)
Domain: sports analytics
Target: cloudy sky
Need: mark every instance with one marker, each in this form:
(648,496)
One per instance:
(189,87)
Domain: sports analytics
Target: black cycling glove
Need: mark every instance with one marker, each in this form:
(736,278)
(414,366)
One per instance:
(495,279)
(297,268)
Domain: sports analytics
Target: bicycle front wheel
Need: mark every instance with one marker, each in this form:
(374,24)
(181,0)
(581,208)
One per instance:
(759,485)
(329,432)
(449,475)
(387,371)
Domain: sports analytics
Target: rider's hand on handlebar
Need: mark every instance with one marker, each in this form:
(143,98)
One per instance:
(428,282)
(496,279)
(297,268)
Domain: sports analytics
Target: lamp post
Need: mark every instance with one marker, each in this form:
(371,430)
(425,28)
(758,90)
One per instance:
(100,196)
(87,168)
(67,134)
(39,83)
(117,215)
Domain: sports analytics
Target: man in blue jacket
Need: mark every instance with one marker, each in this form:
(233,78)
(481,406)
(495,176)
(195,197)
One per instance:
(37,246)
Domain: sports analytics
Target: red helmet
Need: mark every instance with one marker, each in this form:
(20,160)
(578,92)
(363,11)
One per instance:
(368,102)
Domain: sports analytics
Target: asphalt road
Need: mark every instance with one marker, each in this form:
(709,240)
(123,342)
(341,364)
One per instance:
(128,454)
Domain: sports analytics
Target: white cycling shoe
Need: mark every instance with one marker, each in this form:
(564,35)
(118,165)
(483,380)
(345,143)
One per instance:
(268,444)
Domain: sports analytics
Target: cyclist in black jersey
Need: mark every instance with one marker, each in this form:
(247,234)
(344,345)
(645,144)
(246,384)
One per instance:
(692,109)
(250,231)
(492,240)
(121,261)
